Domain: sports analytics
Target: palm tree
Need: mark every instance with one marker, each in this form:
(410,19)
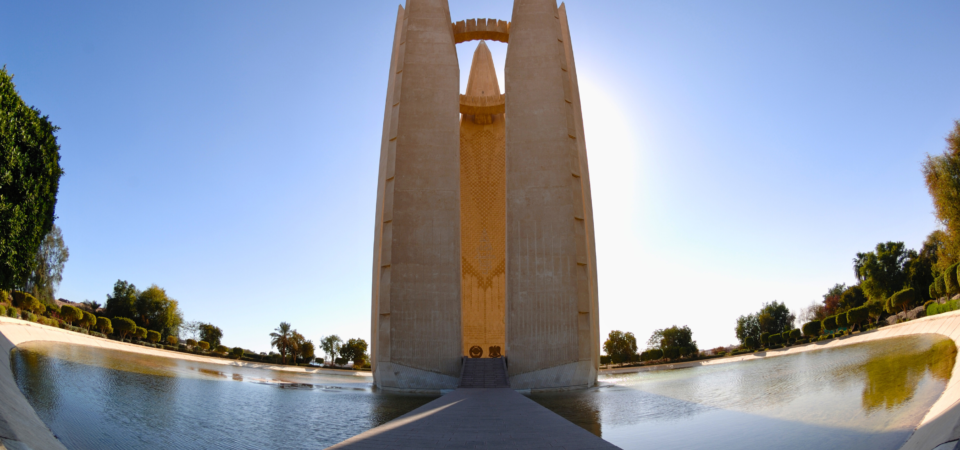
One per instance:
(281,339)
(858,263)
(295,340)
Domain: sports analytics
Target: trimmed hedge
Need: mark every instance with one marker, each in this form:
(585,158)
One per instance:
(750,342)
(811,328)
(70,314)
(941,286)
(857,315)
(830,323)
(841,320)
(932,290)
(651,355)
(795,334)
(937,308)
(105,325)
(902,299)
(153,336)
(950,279)
(140,333)
(172,340)
(764,338)
(124,326)
(204,345)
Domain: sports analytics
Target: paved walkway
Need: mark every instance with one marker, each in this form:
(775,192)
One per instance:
(478,418)
(483,373)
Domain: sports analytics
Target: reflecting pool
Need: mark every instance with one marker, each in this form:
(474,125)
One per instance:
(862,396)
(102,399)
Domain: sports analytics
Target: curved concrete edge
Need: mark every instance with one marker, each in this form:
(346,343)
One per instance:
(399,378)
(941,423)
(19,423)
(580,374)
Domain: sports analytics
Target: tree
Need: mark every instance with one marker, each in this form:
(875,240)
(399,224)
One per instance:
(858,262)
(124,326)
(222,349)
(355,350)
(26,301)
(140,333)
(29,181)
(775,317)
(950,279)
(841,320)
(795,334)
(942,176)
(204,345)
(331,346)
(190,330)
(70,314)
(172,340)
(747,326)
(105,325)
(885,270)
(88,321)
(192,342)
(237,352)
(210,334)
(123,301)
(620,346)
(811,329)
(674,341)
(280,338)
(90,305)
(765,338)
(830,323)
(48,265)
(875,310)
(306,350)
(857,315)
(153,336)
(750,342)
(831,300)
(158,311)
(851,298)
(903,299)
(293,345)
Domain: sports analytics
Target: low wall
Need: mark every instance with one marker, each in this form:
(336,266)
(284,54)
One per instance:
(19,423)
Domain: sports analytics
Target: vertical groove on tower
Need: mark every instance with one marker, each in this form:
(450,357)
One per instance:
(550,332)
(417,274)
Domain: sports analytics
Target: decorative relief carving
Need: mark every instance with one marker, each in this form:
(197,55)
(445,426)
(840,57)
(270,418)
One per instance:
(476,351)
(475,29)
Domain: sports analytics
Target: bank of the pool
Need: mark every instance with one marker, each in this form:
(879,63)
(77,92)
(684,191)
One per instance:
(19,423)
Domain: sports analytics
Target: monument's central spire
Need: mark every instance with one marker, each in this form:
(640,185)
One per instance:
(483,76)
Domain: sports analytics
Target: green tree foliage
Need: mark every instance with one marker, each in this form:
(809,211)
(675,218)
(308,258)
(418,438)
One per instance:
(875,310)
(903,299)
(748,327)
(282,338)
(764,338)
(620,346)
(88,321)
(773,317)
(884,271)
(941,285)
(331,346)
(90,305)
(674,341)
(156,310)
(123,301)
(204,345)
(921,267)
(47,273)
(942,176)
(140,333)
(70,314)
(124,326)
(776,339)
(830,323)
(831,300)
(222,349)
(355,350)
(237,352)
(852,297)
(105,325)
(651,355)
(795,334)
(153,336)
(750,342)
(172,340)
(857,315)
(306,350)
(933,290)
(841,320)
(191,342)
(29,180)
(211,334)
(950,279)
(26,301)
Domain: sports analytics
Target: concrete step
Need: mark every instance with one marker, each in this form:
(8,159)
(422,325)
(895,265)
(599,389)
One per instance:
(483,373)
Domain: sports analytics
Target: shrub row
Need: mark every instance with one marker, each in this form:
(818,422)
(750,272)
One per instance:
(937,308)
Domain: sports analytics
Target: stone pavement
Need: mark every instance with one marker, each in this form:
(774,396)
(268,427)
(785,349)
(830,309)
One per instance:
(478,418)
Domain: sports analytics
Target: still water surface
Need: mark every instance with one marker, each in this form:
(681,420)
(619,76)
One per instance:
(864,396)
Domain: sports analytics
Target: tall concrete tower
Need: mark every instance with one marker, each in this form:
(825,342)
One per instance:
(484,242)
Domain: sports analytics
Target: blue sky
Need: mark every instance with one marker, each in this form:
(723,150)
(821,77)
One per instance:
(740,151)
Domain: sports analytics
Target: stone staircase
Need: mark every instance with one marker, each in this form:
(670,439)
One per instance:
(483,373)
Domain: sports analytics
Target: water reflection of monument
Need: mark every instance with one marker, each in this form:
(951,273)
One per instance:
(484,226)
